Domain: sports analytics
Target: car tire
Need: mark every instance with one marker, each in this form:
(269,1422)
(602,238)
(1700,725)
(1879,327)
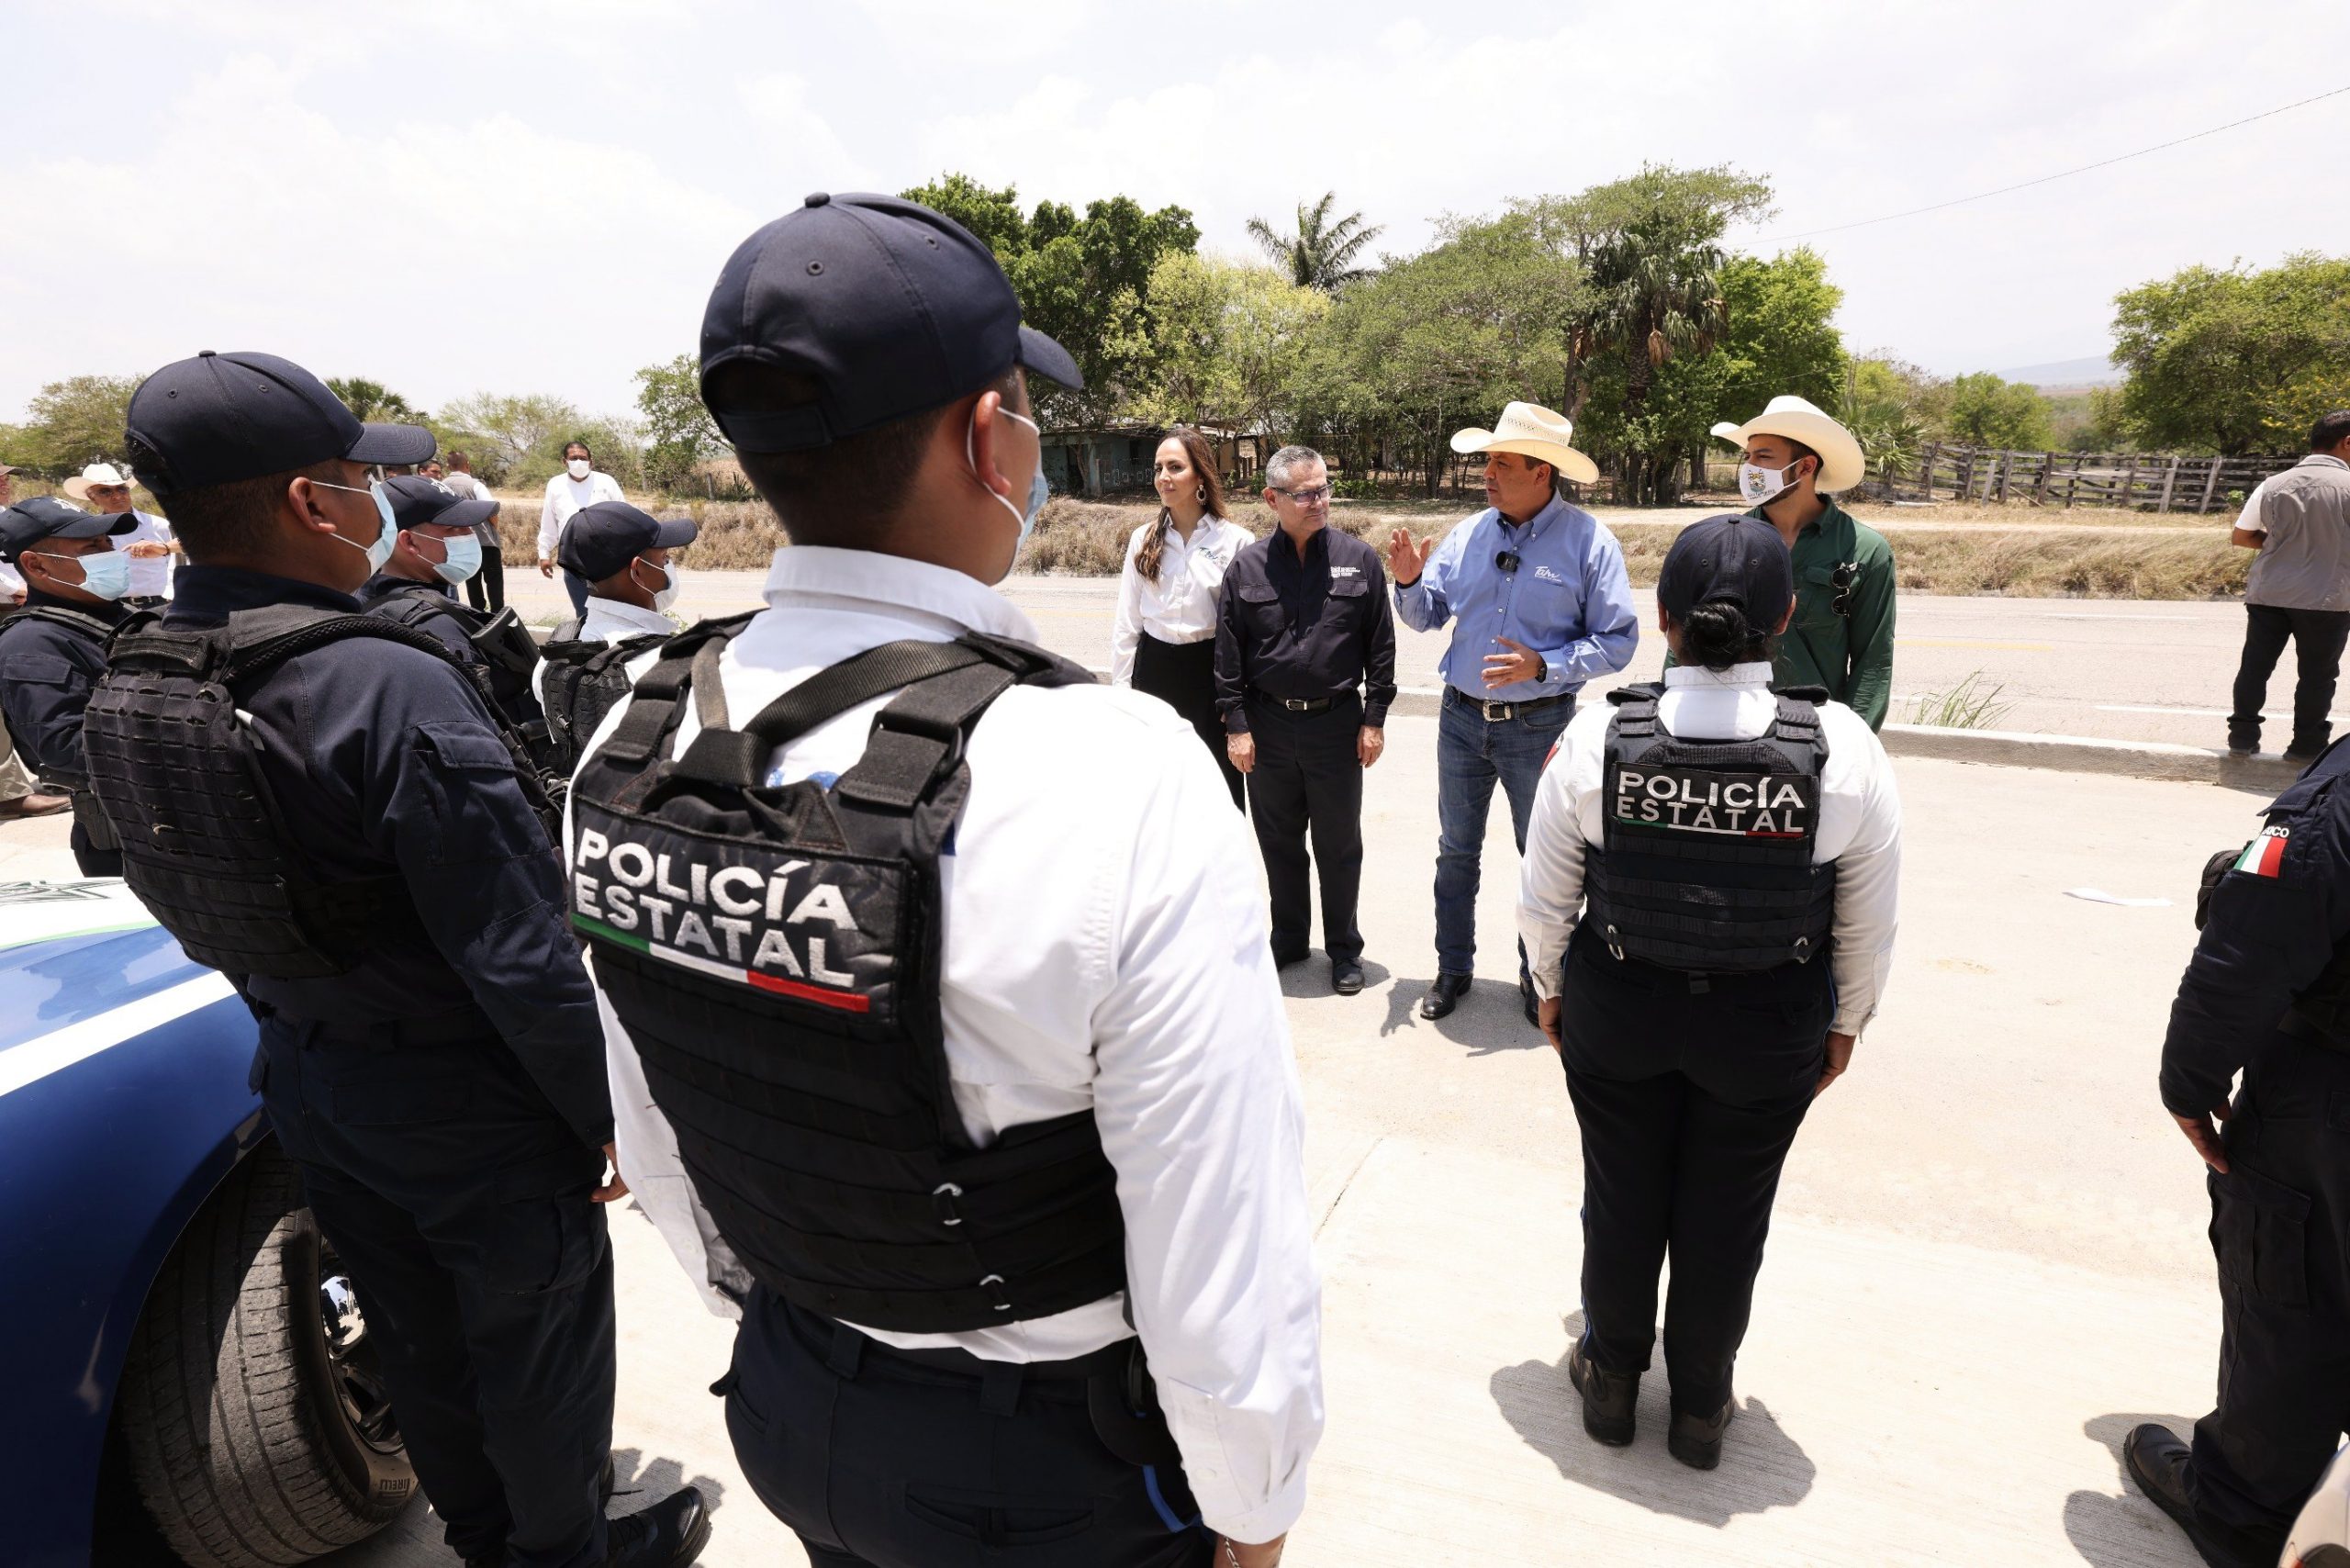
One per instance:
(253,1436)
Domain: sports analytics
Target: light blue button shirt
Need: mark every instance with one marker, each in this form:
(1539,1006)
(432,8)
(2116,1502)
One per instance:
(1569,601)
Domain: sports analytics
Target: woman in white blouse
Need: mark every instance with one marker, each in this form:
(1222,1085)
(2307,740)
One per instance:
(1163,640)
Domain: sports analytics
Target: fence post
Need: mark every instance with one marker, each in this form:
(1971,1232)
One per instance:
(2210,485)
(1926,468)
(2040,483)
(2170,481)
(2130,483)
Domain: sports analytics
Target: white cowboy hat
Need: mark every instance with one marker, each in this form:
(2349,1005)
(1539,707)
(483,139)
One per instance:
(1842,464)
(79,484)
(1533,431)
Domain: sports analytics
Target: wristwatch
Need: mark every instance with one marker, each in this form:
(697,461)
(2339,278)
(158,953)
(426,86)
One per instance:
(1541,669)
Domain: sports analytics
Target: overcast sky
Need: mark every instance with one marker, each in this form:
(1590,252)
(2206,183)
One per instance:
(525,195)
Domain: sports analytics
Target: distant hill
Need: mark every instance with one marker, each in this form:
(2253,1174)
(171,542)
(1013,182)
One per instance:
(2067,372)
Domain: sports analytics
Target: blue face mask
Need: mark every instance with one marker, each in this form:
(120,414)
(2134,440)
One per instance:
(465,558)
(387,535)
(1037,489)
(106,575)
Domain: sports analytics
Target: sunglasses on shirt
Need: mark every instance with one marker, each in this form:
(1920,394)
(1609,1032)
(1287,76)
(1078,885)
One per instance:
(1846,574)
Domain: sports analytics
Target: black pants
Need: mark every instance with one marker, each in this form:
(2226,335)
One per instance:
(1688,1100)
(458,1204)
(486,589)
(1308,779)
(1182,676)
(879,1461)
(2317,636)
(2280,1225)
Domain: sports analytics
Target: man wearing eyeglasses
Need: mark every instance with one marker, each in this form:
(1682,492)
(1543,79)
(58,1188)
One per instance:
(1540,605)
(1841,636)
(1304,671)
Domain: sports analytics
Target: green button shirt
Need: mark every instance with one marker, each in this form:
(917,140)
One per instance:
(1850,654)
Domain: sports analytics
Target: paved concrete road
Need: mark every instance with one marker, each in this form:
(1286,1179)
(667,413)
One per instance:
(1989,1261)
(2119,670)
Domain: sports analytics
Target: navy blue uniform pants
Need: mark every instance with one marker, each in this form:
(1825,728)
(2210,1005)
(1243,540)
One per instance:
(458,1204)
(1308,782)
(1688,1092)
(879,1460)
(2317,636)
(2281,1225)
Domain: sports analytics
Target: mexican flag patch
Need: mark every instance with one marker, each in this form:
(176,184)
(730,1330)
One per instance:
(2264,854)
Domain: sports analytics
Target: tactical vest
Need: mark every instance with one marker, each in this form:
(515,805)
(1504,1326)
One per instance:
(1705,864)
(775,952)
(205,843)
(88,815)
(581,682)
(507,653)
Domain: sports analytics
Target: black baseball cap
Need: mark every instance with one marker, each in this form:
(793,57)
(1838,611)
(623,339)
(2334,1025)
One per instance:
(219,418)
(1733,560)
(37,519)
(419,499)
(600,540)
(885,307)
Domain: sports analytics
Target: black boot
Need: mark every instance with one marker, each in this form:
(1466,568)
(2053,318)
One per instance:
(1443,996)
(1608,1398)
(1697,1440)
(669,1534)
(2156,1458)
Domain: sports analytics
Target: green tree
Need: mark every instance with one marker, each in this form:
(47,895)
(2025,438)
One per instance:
(1893,409)
(679,434)
(371,400)
(74,423)
(1986,411)
(1319,253)
(503,431)
(2235,360)
(1226,340)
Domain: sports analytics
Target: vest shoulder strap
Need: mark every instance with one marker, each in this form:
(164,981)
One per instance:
(1646,691)
(1635,716)
(412,606)
(75,619)
(1796,724)
(566,632)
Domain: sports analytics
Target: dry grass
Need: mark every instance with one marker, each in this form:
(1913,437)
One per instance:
(2019,565)
(735,535)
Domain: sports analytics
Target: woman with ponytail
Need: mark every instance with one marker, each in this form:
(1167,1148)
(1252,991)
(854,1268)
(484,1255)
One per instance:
(1163,640)
(1708,903)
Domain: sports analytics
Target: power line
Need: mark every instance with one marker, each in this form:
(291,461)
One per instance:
(2061,175)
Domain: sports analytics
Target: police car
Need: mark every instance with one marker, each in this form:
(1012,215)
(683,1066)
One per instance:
(184,1375)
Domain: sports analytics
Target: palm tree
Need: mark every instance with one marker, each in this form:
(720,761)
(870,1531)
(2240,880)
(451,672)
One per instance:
(1320,255)
(1654,291)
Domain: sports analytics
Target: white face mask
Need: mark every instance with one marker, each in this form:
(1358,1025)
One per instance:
(1037,488)
(664,595)
(578,467)
(1757,485)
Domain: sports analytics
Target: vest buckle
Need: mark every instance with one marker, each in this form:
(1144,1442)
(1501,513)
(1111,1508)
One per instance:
(1614,947)
(993,1285)
(946,1193)
(1803,950)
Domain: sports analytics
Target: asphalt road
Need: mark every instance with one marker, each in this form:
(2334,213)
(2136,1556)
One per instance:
(2115,669)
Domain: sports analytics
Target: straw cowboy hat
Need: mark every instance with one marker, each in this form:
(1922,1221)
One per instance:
(1533,431)
(95,473)
(1842,465)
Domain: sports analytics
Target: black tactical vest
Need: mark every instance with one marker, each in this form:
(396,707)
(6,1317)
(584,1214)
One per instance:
(508,652)
(774,953)
(204,845)
(88,815)
(582,682)
(1705,860)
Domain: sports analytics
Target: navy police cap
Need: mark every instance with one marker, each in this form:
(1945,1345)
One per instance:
(883,307)
(38,519)
(416,499)
(1729,559)
(219,418)
(599,542)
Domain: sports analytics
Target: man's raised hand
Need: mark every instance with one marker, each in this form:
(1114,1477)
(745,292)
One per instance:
(1406,556)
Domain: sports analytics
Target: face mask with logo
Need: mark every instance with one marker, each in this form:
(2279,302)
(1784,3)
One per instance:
(386,536)
(104,576)
(463,559)
(1038,488)
(578,467)
(1758,485)
(666,594)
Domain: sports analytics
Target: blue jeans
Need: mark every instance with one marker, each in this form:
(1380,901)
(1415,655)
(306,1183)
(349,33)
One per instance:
(1471,754)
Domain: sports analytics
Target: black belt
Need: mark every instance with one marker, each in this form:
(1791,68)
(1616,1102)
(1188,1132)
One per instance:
(1294,704)
(1495,713)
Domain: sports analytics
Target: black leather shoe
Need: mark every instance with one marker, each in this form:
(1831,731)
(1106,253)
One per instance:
(2156,1458)
(669,1534)
(1444,995)
(2303,754)
(1697,1440)
(1607,1399)
(1346,977)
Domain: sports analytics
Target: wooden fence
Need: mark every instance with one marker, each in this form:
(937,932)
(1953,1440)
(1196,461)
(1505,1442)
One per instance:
(2147,481)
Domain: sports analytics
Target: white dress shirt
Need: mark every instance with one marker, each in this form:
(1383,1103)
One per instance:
(1094,961)
(1181,606)
(612,621)
(1860,826)
(150,575)
(567,495)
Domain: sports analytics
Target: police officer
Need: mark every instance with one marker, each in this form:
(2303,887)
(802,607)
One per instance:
(434,548)
(1708,905)
(1304,672)
(1540,604)
(622,554)
(2267,996)
(322,804)
(53,650)
(965,1144)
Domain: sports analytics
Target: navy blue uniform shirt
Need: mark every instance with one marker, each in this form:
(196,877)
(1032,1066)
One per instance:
(46,674)
(1312,628)
(2275,919)
(383,761)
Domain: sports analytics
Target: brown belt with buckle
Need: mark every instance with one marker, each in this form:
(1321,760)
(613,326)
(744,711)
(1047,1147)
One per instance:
(1495,713)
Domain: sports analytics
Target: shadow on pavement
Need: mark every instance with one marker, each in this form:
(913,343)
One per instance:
(1310,976)
(1489,1020)
(1762,1466)
(639,1483)
(2126,1531)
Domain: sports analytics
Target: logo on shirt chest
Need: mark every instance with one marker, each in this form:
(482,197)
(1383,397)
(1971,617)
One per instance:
(1346,571)
(1549,575)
